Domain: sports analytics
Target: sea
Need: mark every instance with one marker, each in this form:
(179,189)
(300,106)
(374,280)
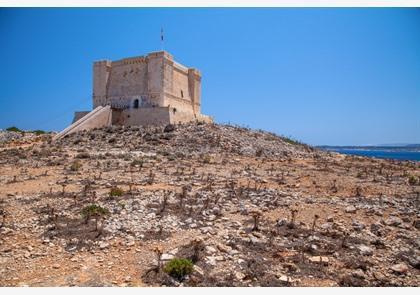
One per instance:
(380,154)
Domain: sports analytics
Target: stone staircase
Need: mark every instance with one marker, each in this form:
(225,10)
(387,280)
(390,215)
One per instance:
(99,117)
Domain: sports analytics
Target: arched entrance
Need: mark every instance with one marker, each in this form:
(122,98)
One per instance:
(136,103)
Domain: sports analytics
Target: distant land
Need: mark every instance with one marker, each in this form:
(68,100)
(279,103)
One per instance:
(409,152)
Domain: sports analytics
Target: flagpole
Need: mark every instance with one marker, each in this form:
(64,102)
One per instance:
(161,38)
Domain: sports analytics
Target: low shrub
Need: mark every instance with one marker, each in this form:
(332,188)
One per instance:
(14,129)
(38,132)
(291,140)
(116,192)
(94,211)
(178,268)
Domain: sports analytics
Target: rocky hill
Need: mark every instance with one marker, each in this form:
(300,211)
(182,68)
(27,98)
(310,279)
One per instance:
(125,206)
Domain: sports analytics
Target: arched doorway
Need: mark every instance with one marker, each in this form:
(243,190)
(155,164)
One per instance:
(136,103)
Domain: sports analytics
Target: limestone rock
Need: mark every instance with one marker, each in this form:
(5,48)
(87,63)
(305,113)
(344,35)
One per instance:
(400,268)
(103,245)
(199,270)
(350,209)
(320,259)
(393,221)
(365,250)
(210,250)
(167,256)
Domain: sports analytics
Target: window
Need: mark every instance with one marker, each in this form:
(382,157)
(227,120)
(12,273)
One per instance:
(136,103)
(182,94)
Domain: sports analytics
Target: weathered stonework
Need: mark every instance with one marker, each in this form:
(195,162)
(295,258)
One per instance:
(148,82)
(146,90)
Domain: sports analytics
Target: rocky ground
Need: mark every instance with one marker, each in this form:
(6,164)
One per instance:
(6,136)
(248,208)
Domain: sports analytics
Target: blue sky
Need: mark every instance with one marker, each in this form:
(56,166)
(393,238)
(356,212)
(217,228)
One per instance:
(323,76)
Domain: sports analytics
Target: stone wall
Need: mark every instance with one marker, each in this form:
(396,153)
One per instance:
(155,77)
(179,94)
(101,70)
(180,84)
(128,78)
(141,116)
(180,116)
(194,84)
(184,117)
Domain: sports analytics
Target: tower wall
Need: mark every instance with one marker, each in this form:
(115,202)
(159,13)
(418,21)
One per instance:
(141,116)
(128,81)
(178,91)
(155,80)
(101,70)
(194,82)
(148,83)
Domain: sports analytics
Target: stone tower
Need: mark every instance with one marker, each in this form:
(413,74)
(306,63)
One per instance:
(152,81)
(146,90)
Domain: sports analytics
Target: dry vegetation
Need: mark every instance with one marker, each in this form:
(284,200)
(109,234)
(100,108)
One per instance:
(203,205)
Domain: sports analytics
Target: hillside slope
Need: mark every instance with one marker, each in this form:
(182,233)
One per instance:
(248,208)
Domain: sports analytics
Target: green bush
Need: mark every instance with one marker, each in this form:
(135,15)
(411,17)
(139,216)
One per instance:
(94,210)
(38,132)
(14,129)
(178,268)
(291,140)
(116,192)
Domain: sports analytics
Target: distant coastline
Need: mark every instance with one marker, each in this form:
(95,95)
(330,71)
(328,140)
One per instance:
(407,152)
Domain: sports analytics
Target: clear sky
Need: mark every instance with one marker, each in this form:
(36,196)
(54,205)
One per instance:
(323,76)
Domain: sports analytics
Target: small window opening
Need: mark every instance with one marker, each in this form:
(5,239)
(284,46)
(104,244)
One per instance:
(182,94)
(136,103)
